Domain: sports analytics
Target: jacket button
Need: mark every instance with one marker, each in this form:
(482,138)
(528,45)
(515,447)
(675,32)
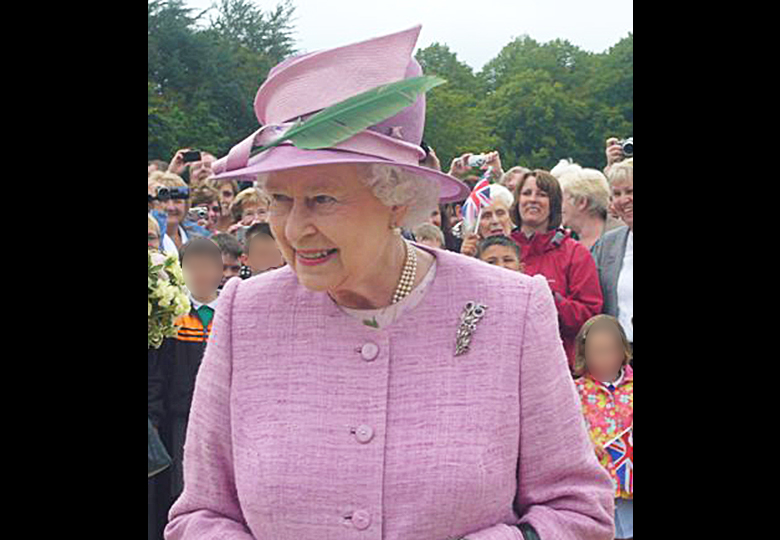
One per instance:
(369,351)
(364,433)
(361,519)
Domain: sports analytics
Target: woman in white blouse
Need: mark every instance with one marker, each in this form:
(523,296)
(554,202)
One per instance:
(615,253)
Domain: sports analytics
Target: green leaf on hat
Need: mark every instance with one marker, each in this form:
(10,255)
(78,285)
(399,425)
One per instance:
(347,118)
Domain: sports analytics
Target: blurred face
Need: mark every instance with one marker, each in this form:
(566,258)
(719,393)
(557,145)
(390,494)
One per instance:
(534,205)
(263,254)
(604,354)
(435,218)
(153,239)
(495,220)
(202,274)
(230,268)
(502,256)
(201,170)
(623,200)
(330,228)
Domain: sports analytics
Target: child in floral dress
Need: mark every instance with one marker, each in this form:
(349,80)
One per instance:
(605,382)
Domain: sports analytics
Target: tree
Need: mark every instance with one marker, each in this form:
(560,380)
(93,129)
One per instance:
(202,81)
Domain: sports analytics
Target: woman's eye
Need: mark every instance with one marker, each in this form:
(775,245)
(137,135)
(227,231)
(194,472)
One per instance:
(324,199)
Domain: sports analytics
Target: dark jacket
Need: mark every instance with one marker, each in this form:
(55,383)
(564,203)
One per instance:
(571,274)
(180,358)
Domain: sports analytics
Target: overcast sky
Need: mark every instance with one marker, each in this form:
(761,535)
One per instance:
(475,30)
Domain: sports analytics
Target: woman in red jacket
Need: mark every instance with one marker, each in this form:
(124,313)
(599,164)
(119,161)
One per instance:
(549,250)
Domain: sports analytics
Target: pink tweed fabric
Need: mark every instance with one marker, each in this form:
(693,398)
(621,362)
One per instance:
(308,425)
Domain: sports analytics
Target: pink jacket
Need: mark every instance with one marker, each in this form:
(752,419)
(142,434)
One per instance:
(308,425)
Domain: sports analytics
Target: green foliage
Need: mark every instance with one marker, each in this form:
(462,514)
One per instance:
(534,102)
(202,81)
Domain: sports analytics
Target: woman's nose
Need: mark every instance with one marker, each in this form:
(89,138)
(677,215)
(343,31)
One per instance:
(298,223)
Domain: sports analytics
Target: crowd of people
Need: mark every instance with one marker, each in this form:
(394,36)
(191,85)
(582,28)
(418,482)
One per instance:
(571,224)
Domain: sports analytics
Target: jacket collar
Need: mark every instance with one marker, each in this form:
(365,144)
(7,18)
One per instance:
(626,376)
(540,243)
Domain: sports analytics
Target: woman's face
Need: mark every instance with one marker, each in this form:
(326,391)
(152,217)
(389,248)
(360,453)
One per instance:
(623,199)
(330,227)
(495,220)
(436,218)
(512,181)
(502,256)
(534,204)
(152,238)
(604,353)
(176,210)
(570,213)
(254,213)
(227,196)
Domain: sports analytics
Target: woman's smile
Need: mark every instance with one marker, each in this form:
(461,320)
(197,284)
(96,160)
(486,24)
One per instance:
(315,257)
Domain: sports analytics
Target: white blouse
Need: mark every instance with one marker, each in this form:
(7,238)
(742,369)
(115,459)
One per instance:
(625,289)
(380,318)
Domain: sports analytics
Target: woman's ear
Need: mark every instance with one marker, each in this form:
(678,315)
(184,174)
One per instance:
(397,215)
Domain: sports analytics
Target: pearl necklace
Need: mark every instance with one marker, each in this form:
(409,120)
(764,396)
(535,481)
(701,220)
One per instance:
(408,276)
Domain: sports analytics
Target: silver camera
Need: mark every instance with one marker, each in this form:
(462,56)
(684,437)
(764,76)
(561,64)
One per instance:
(198,213)
(628,147)
(477,161)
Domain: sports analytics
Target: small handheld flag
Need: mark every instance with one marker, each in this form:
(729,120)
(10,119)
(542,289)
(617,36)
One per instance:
(477,200)
(621,450)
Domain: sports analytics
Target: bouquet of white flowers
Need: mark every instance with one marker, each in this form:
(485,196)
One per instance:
(167,298)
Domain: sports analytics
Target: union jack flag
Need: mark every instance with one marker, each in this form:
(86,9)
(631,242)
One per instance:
(621,450)
(479,198)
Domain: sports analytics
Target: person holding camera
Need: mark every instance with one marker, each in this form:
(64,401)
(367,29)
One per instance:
(172,196)
(205,200)
(618,150)
(463,165)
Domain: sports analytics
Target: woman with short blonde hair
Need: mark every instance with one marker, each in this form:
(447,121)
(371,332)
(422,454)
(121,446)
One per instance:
(585,204)
(253,199)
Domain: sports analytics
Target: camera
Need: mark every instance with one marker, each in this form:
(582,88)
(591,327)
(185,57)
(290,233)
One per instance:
(198,213)
(189,157)
(166,193)
(477,161)
(628,147)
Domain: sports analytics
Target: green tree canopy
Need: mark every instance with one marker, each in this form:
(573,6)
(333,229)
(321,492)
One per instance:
(534,102)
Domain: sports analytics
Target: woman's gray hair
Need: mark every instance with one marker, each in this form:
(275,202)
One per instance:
(590,185)
(395,186)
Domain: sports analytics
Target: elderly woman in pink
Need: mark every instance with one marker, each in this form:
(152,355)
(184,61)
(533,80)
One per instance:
(370,388)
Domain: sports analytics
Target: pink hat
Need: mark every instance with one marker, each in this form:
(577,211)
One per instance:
(305,84)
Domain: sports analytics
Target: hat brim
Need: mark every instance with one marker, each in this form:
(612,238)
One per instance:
(287,156)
